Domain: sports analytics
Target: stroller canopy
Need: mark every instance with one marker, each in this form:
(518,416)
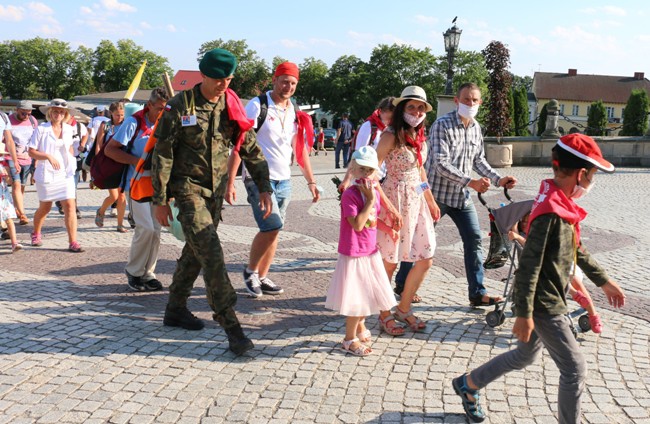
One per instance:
(507,216)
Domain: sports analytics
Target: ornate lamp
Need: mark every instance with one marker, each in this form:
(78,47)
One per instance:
(452,38)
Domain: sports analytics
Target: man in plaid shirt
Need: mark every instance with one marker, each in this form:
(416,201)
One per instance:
(455,149)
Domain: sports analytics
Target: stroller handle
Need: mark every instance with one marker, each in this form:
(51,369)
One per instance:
(505,193)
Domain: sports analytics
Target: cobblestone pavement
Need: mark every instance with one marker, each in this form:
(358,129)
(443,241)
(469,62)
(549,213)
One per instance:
(77,346)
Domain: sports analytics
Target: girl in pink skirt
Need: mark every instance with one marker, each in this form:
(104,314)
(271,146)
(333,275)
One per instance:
(360,285)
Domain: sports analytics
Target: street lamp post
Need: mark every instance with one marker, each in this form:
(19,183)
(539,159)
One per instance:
(452,38)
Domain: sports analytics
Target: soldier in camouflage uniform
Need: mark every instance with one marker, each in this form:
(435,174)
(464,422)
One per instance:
(189,162)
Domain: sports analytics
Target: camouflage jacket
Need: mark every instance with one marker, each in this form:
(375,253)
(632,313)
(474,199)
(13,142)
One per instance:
(193,159)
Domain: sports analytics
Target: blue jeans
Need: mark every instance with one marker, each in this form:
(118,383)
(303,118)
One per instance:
(337,154)
(400,277)
(466,221)
(281,197)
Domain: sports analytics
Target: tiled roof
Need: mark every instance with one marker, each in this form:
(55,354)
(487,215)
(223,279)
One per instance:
(186,79)
(587,88)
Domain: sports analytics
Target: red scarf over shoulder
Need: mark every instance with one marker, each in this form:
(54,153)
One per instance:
(417,143)
(551,199)
(237,114)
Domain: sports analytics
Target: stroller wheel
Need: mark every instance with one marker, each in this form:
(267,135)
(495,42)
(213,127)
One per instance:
(494,318)
(583,323)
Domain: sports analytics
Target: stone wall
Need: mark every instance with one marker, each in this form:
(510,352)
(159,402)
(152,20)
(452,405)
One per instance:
(621,151)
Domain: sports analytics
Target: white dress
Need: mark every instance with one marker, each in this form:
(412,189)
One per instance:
(54,184)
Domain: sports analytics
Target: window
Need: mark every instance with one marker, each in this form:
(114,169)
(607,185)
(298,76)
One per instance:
(588,109)
(610,111)
(576,110)
(562,109)
(183,82)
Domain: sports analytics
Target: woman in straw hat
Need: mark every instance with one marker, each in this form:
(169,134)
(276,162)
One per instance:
(51,147)
(403,147)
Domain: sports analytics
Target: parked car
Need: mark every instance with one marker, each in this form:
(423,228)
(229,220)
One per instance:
(330,137)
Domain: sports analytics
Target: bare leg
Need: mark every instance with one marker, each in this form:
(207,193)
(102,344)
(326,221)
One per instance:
(263,251)
(412,284)
(40,214)
(70,219)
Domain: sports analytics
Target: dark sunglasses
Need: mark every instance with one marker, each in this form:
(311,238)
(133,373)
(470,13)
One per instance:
(58,103)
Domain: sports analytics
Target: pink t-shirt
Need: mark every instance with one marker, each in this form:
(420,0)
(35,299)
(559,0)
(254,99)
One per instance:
(21,132)
(353,243)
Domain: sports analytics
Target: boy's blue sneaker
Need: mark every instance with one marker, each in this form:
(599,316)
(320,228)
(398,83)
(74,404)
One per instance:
(472,408)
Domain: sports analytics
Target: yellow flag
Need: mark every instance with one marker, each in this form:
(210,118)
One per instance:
(135,83)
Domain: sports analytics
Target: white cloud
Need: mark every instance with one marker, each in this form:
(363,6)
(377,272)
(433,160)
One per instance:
(116,6)
(117,28)
(607,10)
(145,25)
(50,29)
(170,28)
(85,10)
(427,20)
(40,9)
(293,44)
(11,13)
(614,11)
(321,42)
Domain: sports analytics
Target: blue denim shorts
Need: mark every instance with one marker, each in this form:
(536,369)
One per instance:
(281,197)
(21,176)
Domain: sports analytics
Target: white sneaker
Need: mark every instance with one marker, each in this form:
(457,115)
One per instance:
(113,212)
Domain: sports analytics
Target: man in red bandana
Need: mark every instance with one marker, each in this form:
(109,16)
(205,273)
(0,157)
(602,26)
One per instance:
(542,279)
(189,163)
(284,131)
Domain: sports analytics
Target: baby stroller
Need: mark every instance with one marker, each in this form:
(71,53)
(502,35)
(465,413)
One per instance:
(502,249)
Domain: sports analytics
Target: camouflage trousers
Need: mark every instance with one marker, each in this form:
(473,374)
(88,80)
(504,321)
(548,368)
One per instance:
(199,218)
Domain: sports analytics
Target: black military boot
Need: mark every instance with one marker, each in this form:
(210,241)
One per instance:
(182,317)
(237,341)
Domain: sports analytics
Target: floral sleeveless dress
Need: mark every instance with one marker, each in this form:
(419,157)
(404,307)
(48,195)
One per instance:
(417,238)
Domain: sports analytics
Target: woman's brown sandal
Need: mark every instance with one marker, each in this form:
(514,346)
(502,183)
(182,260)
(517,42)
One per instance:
(417,325)
(394,330)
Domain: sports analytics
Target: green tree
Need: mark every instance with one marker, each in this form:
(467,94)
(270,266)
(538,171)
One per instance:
(470,67)
(541,121)
(518,82)
(497,61)
(391,68)
(313,80)
(17,75)
(596,119)
(116,66)
(43,67)
(80,78)
(635,116)
(521,111)
(252,76)
(346,88)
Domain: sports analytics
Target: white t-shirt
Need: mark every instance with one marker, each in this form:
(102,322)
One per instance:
(363,139)
(94,125)
(76,139)
(275,136)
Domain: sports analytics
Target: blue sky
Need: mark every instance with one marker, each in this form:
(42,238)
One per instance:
(595,37)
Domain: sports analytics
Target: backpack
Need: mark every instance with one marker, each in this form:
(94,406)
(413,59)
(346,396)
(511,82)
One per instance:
(107,173)
(264,109)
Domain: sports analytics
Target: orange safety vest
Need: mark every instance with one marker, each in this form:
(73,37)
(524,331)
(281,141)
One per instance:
(141,186)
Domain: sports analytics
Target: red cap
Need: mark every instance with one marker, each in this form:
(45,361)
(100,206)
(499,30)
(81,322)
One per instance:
(287,68)
(585,148)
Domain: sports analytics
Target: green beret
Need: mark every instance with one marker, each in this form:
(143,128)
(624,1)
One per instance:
(218,63)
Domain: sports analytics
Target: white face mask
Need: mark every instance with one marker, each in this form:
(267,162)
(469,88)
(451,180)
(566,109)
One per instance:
(579,191)
(467,111)
(413,121)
